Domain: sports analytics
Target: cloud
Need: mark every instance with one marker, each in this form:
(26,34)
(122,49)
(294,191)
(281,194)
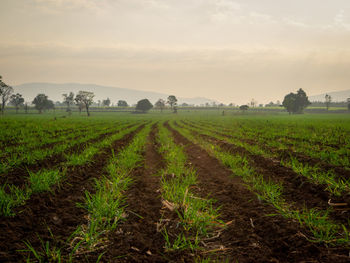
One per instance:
(172,56)
(227,74)
(224,10)
(61,6)
(340,20)
(294,22)
(258,18)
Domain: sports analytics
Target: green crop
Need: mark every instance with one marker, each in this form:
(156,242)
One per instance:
(318,222)
(197,216)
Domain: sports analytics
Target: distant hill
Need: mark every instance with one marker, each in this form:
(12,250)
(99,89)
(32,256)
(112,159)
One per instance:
(337,96)
(55,91)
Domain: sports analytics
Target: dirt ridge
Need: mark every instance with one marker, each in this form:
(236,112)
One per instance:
(253,236)
(18,176)
(56,212)
(297,189)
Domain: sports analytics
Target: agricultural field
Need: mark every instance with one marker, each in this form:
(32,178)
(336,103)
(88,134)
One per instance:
(186,187)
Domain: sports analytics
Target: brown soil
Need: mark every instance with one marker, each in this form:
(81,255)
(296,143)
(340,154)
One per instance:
(58,141)
(19,175)
(291,138)
(297,190)
(253,236)
(341,172)
(49,133)
(56,212)
(137,239)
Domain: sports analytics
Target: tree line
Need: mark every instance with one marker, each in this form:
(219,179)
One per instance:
(294,103)
(83,100)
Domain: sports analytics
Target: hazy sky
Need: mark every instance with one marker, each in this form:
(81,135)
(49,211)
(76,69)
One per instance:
(231,51)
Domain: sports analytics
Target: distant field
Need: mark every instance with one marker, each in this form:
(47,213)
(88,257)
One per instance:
(197,186)
(61,110)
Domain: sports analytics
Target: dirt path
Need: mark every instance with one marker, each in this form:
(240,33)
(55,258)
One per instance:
(55,211)
(253,236)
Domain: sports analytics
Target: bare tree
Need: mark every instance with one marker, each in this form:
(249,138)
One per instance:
(5,93)
(328,100)
(79,103)
(253,103)
(69,100)
(106,102)
(16,100)
(172,100)
(160,104)
(85,98)
(26,108)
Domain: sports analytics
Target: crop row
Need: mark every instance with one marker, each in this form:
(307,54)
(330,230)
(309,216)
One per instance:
(104,206)
(317,221)
(42,180)
(332,180)
(46,140)
(31,157)
(17,132)
(326,133)
(106,203)
(189,220)
(196,215)
(335,152)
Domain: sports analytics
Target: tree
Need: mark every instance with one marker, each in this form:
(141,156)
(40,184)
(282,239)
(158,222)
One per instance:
(244,108)
(289,103)
(144,105)
(42,102)
(5,92)
(16,100)
(26,108)
(50,105)
(328,100)
(253,103)
(172,100)
(85,98)
(79,102)
(69,100)
(160,104)
(122,103)
(106,102)
(296,103)
(348,104)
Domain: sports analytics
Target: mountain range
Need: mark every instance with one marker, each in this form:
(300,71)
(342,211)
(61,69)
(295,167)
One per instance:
(55,91)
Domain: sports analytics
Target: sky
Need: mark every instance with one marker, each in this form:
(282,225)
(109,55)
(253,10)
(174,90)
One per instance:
(230,51)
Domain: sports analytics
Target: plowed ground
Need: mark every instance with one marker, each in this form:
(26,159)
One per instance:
(252,236)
